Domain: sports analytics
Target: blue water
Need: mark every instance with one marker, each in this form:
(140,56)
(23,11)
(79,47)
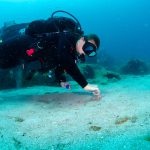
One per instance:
(124,29)
(123,26)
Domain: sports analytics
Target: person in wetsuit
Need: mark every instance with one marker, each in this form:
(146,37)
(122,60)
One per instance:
(56,44)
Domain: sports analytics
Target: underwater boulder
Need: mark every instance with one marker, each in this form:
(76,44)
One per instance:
(112,75)
(135,67)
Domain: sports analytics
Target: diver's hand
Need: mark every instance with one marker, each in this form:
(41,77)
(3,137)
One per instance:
(94,89)
(65,85)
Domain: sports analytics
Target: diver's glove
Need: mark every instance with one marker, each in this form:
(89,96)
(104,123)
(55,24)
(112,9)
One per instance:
(65,85)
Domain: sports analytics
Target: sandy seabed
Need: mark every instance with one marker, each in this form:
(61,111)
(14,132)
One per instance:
(52,118)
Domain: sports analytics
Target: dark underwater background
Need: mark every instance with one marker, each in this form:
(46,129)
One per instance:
(123,26)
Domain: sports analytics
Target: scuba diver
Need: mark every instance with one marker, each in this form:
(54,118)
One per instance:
(56,43)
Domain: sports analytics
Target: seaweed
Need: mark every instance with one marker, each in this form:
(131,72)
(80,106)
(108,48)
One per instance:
(133,119)
(1,135)
(19,119)
(89,122)
(147,138)
(121,120)
(17,143)
(61,146)
(95,128)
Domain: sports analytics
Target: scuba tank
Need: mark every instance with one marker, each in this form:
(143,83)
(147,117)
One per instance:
(54,26)
(12,30)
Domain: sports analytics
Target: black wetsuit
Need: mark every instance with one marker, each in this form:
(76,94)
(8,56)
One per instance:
(53,52)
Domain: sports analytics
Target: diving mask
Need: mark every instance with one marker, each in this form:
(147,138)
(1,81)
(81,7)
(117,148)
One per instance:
(89,48)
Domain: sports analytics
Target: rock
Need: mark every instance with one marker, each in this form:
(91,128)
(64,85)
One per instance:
(111,75)
(135,67)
